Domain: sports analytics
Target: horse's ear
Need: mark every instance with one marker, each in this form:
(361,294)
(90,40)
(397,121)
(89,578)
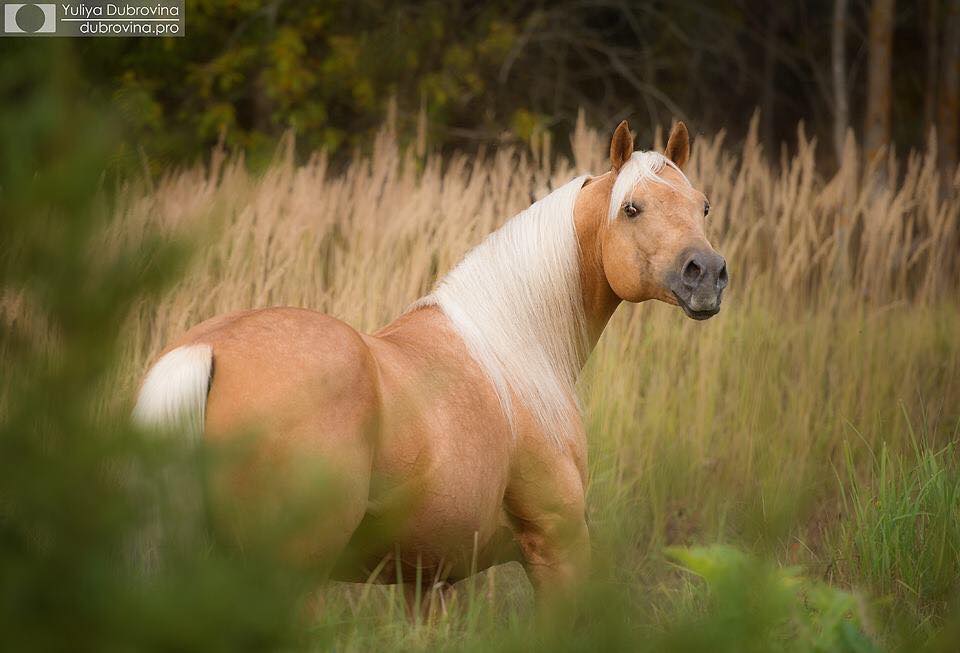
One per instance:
(678,145)
(621,147)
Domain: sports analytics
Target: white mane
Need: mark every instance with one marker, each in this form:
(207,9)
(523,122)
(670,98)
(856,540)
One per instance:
(516,302)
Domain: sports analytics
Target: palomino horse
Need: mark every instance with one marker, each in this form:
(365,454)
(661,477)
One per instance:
(455,428)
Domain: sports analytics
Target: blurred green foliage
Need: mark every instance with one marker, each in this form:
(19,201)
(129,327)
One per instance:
(77,483)
(756,606)
(248,71)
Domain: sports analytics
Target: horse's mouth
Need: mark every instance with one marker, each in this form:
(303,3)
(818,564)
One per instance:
(696,315)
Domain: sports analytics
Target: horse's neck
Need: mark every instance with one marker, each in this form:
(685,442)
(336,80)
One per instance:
(599,300)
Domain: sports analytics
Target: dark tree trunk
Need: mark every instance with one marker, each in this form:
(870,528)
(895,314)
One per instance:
(768,90)
(877,124)
(932,76)
(949,111)
(841,111)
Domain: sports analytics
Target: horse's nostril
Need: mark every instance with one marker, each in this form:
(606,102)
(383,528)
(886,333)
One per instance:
(691,273)
(722,277)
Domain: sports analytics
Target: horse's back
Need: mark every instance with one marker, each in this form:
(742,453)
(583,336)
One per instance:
(277,368)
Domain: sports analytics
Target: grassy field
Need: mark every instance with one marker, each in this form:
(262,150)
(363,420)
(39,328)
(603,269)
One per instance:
(784,476)
(812,423)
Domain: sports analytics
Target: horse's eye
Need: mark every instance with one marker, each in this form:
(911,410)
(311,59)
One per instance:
(706,209)
(631,210)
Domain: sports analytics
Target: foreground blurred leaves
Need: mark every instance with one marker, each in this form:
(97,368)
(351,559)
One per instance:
(76,483)
(756,606)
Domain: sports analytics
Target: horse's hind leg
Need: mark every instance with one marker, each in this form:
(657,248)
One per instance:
(299,488)
(335,506)
(307,388)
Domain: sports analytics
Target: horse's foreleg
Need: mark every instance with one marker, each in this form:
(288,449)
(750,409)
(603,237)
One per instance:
(556,554)
(547,510)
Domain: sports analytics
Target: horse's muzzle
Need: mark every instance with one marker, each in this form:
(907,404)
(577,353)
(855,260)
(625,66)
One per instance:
(698,283)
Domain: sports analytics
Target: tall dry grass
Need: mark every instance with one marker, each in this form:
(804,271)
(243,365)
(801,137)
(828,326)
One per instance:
(839,333)
(364,241)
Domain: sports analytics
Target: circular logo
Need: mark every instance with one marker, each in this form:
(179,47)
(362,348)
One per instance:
(30,18)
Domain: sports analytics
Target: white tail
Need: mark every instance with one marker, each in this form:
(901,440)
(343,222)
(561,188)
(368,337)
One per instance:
(174,392)
(173,396)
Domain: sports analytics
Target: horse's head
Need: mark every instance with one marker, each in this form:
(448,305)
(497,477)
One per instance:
(653,245)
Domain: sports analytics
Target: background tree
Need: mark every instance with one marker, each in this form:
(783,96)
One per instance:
(841,118)
(932,72)
(879,84)
(949,101)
